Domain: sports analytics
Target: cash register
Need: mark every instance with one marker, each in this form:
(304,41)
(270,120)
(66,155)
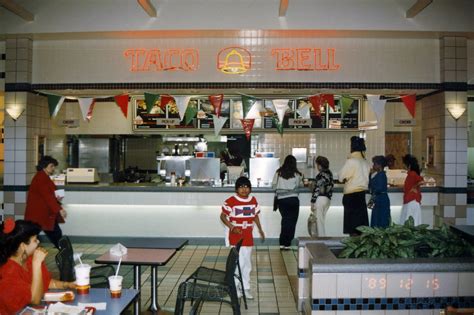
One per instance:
(82,176)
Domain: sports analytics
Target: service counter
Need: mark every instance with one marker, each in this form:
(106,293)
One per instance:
(148,210)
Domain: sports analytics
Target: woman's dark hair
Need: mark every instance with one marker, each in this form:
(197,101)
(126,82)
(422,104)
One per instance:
(411,163)
(45,161)
(323,162)
(288,169)
(357,144)
(380,160)
(9,242)
(242,181)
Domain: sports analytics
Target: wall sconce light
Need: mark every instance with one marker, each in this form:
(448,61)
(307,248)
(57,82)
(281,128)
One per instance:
(15,111)
(456,110)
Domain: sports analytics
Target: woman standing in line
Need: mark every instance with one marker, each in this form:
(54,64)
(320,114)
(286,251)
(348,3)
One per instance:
(411,191)
(24,277)
(321,197)
(42,205)
(286,181)
(378,188)
(355,176)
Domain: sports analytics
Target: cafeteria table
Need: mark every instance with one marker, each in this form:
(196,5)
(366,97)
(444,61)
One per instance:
(101,295)
(138,257)
(155,242)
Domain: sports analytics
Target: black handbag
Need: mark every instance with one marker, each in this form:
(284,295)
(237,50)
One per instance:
(275,203)
(275,198)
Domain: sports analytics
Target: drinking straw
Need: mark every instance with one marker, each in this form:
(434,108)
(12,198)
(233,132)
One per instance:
(118,267)
(79,257)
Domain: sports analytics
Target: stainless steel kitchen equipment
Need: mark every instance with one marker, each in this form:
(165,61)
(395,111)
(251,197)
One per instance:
(262,170)
(204,170)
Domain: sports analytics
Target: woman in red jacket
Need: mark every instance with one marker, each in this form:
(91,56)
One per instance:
(24,277)
(42,206)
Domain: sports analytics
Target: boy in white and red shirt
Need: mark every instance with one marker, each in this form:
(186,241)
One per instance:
(239,212)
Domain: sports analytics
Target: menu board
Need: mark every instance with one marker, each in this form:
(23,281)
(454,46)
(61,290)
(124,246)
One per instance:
(350,119)
(268,122)
(238,114)
(206,110)
(145,120)
(316,121)
(173,112)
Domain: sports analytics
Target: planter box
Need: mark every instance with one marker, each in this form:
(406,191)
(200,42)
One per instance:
(332,286)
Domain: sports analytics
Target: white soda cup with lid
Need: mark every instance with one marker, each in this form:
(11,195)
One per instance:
(115,285)
(82,278)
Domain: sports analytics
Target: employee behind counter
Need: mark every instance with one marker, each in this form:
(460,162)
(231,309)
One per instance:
(231,157)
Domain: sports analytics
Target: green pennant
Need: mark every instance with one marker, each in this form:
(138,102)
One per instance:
(190,113)
(54,104)
(346,102)
(278,125)
(150,100)
(247,103)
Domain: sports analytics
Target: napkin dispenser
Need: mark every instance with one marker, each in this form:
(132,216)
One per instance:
(82,175)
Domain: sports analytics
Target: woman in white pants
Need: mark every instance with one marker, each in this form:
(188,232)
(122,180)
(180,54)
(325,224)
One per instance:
(411,191)
(321,198)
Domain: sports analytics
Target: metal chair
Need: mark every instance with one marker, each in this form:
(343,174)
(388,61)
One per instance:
(217,291)
(65,262)
(217,276)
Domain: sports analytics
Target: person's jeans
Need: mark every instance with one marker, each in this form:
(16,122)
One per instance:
(55,235)
(289,209)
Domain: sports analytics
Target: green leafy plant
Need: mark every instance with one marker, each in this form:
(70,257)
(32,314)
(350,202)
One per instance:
(405,241)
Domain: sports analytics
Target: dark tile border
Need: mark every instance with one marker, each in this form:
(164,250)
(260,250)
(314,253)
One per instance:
(401,303)
(447,86)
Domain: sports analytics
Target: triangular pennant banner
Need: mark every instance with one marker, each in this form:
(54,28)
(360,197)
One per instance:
(346,102)
(216,102)
(278,125)
(150,100)
(247,124)
(182,104)
(164,100)
(122,102)
(328,98)
(315,101)
(218,123)
(254,112)
(54,104)
(304,112)
(87,106)
(281,106)
(377,105)
(372,97)
(247,104)
(410,103)
(189,115)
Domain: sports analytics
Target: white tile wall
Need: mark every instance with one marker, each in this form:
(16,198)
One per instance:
(325,285)
(420,287)
(447,282)
(374,285)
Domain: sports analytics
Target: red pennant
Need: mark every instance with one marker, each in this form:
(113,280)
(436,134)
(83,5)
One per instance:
(122,102)
(164,100)
(248,126)
(329,98)
(315,100)
(216,101)
(89,112)
(410,103)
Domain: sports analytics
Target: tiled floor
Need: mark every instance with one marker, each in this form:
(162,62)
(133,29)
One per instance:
(273,276)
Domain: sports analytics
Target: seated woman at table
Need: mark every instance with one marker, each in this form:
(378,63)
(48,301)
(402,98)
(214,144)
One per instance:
(23,275)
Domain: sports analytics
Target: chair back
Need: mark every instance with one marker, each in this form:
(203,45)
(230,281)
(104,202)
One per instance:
(65,242)
(231,265)
(65,263)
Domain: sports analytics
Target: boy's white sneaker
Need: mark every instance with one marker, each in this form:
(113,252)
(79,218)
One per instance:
(248,295)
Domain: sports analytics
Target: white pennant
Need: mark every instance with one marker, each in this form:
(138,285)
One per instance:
(254,112)
(182,104)
(304,112)
(281,106)
(218,123)
(85,104)
(58,106)
(377,105)
(372,97)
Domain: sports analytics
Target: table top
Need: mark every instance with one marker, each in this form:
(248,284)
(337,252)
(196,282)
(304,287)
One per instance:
(153,242)
(467,231)
(114,306)
(140,256)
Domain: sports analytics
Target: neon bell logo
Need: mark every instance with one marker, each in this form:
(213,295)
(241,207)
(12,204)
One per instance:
(234,60)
